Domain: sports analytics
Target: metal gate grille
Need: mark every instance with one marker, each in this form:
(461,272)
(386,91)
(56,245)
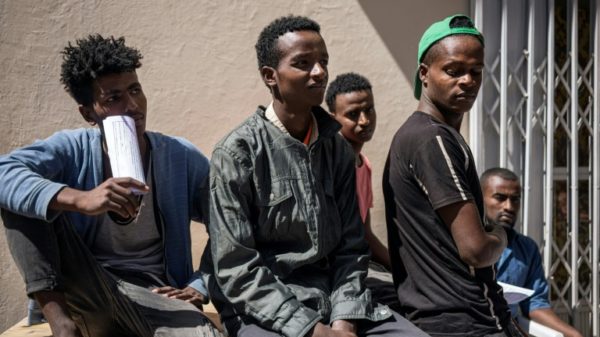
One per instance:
(538,114)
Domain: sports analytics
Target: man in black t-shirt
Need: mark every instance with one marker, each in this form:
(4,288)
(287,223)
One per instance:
(442,255)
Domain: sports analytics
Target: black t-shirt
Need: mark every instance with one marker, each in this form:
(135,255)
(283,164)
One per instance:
(431,166)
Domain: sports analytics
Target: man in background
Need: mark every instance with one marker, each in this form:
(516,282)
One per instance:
(350,101)
(521,262)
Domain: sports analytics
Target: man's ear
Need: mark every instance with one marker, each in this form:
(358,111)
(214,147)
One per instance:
(87,112)
(332,112)
(423,72)
(269,75)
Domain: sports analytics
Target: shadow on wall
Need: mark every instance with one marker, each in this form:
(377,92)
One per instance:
(400,25)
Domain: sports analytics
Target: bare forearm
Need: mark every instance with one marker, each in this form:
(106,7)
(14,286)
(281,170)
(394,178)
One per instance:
(486,254)
(548,318)
(496,242)
(65,200)
(477,247)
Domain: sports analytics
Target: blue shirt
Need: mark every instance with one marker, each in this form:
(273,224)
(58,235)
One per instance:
(521,265)
(32,175)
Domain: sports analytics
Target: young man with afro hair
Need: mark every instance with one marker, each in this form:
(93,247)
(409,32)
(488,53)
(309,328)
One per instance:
(287,243)
(100,260)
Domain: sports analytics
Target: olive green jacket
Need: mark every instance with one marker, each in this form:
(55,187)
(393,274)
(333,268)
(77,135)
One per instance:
(287,242)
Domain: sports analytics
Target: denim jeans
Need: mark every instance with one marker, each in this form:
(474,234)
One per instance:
(52,256)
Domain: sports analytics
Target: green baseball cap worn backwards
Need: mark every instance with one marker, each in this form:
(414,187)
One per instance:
(436,32)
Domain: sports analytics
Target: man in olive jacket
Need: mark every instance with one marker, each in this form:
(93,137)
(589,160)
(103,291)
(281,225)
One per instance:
(287,241)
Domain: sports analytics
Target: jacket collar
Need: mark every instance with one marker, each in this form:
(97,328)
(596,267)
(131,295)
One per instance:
(326,124)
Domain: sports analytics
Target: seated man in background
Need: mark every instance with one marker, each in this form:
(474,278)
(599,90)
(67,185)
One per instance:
(287,243)
(350,100)
(521,262)
(99,259)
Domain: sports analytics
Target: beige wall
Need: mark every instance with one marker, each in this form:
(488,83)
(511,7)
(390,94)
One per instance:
(199,70)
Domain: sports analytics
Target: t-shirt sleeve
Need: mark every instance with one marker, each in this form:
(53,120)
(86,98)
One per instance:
(440,167)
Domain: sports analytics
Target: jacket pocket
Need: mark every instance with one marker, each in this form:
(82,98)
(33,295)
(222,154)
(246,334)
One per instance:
(277,209)
(277,192)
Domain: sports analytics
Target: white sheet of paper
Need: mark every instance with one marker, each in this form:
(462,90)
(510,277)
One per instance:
(123,148)
(514,294)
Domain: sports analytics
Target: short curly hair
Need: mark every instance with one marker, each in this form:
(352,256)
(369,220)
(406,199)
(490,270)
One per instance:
(91,58)
(345,83)
(266,46)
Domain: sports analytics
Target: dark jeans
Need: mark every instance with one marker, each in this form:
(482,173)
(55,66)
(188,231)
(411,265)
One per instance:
(52,256)
(395,326)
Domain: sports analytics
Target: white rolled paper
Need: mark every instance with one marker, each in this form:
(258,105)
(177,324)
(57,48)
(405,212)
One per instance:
(123,148)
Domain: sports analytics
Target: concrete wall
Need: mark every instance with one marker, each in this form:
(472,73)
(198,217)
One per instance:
(199,70)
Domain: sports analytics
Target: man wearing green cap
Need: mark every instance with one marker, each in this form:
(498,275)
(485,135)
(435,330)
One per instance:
(442,255)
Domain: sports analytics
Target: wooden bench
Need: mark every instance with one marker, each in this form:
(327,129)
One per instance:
(43,330)
(21,329)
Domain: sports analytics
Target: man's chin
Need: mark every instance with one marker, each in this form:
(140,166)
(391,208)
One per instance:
(505,224)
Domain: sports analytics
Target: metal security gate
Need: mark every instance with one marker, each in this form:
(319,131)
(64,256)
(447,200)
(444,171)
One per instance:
(538,114)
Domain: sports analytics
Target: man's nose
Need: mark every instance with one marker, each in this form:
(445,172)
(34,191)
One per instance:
(510,206)
(364,120)
(131,104)
(318,71)
(468,79)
